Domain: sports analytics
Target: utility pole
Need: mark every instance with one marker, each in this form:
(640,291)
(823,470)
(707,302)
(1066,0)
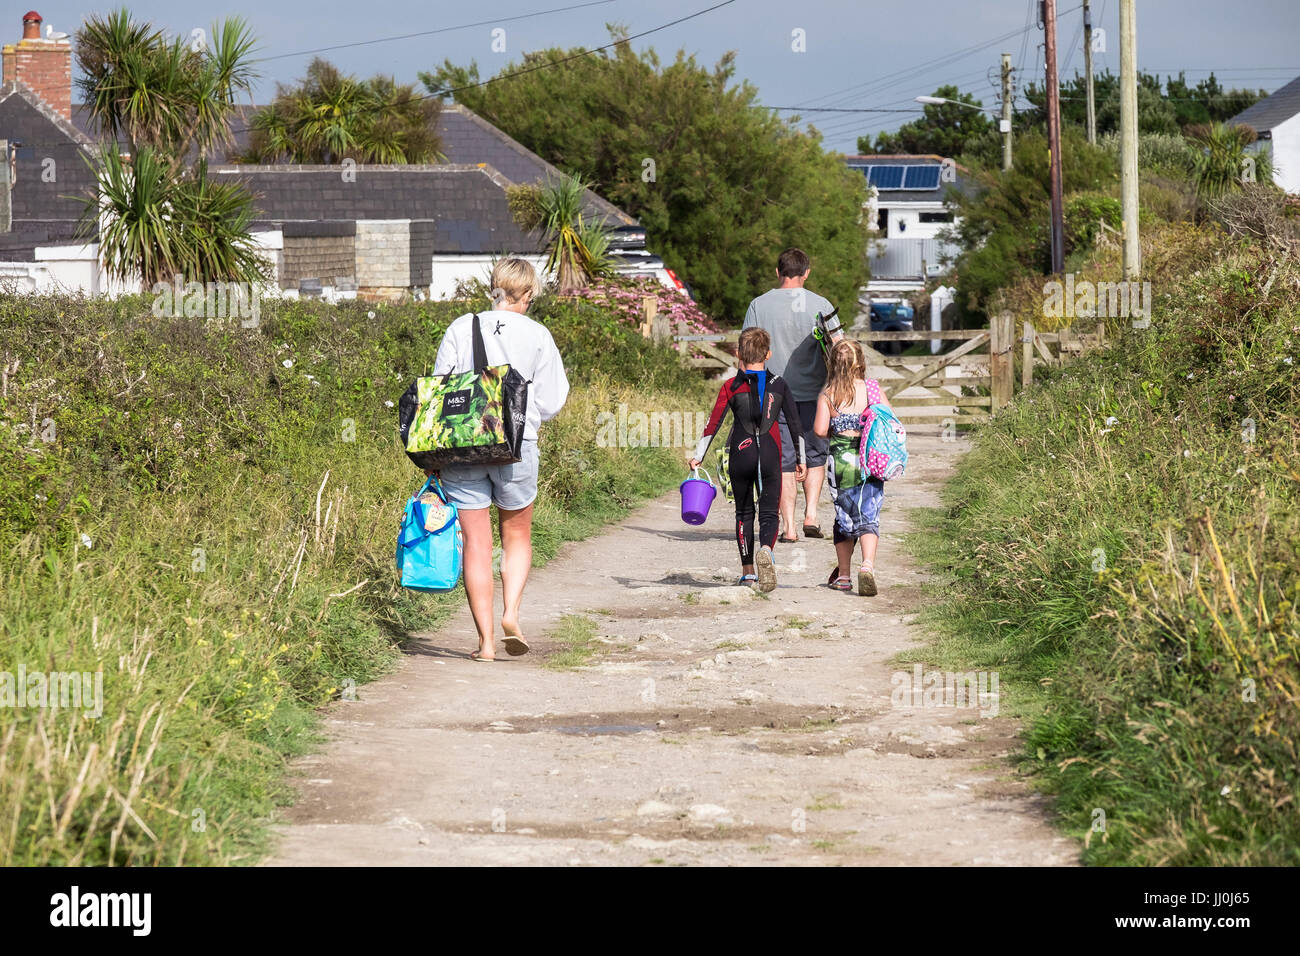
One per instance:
(1054,138)
(1006,111)
(1128,131)
(6,188)
(1087,66)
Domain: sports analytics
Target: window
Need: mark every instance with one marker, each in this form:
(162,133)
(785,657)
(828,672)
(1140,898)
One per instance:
(936,217)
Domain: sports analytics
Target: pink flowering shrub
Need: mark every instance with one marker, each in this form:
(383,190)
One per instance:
(621,295)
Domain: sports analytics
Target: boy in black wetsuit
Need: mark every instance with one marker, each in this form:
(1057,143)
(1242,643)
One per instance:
(755,397)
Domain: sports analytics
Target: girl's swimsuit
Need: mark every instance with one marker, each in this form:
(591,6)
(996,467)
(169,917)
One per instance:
(756,400)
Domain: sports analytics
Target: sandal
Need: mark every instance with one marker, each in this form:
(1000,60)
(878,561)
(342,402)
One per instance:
(794,540)
(812,531)
(837,583)
(866,581)
(477,656)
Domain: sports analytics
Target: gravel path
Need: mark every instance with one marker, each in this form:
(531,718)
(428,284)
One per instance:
(712,726)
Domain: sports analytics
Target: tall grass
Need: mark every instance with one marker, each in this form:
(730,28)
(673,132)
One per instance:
(1121,544)
(207,514)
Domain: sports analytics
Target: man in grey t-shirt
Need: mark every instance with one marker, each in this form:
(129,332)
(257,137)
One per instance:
(788,314)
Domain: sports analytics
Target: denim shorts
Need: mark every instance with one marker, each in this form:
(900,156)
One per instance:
(512,486)
(857,510)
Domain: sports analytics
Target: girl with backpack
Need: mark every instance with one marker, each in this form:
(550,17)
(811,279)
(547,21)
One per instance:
(844,413)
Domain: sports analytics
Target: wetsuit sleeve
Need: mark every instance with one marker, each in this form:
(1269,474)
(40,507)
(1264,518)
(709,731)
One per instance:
(792,421)
(715,420)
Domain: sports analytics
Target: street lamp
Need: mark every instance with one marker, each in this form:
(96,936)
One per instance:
(1004,123)
(1004,126)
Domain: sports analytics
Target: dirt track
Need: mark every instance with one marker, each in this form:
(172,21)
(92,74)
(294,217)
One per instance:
(712,726)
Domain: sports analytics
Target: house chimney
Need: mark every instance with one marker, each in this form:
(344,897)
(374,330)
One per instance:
(43,66)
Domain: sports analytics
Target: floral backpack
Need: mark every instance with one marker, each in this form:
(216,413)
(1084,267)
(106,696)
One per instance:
(883,449)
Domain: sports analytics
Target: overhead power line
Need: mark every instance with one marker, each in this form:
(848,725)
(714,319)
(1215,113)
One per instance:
(429,33)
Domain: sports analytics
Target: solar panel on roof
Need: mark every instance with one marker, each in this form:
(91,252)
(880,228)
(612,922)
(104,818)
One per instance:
(887,177)
(922,177)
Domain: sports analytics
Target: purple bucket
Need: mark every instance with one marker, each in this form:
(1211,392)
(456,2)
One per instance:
(697,495)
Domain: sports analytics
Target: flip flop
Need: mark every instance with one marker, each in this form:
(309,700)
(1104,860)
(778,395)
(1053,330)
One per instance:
(515,645)
(476,656)
(789,540)
(812,531)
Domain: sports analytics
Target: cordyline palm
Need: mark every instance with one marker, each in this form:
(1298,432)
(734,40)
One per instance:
(156,223)
(156,218)
(331,116)
(145,90)
(576,249)
(1221,158)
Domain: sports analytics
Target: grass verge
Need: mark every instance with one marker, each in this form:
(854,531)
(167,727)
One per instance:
(1123,546)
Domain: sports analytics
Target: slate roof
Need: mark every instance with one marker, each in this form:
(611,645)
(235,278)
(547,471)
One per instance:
(46,210)
(467,139)
(466,203)
(1273,110)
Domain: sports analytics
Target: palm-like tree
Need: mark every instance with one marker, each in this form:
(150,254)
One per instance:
(576,247)
(1221,159)
(156,224)
(156,216)
(331,116)
(172,95)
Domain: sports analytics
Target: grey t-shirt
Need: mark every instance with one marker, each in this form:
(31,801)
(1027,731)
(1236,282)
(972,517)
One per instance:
(789,317)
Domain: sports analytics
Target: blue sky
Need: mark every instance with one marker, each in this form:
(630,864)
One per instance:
(858,54)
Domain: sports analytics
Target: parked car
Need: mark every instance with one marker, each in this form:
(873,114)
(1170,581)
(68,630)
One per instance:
(640,262)
(891,315)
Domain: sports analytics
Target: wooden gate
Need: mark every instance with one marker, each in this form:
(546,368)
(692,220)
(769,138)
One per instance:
(958,387)
(949,388)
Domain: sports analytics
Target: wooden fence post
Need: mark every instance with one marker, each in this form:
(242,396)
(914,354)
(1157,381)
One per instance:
(649,308)
(1001,368)
(1027,357)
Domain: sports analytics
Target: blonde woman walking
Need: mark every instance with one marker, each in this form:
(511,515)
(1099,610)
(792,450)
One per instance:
(510,337)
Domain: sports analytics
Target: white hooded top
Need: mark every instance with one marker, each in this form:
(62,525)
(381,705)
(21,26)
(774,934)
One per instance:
(516,340)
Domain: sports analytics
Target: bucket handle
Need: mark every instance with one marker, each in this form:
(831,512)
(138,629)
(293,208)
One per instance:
(696,474)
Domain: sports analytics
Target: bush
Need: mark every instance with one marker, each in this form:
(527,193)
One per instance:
(1121,543)
(1084,211)
(1167,153)
(207,515)
(1004,227)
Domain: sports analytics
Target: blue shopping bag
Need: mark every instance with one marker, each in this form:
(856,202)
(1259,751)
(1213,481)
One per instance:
(430,544)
